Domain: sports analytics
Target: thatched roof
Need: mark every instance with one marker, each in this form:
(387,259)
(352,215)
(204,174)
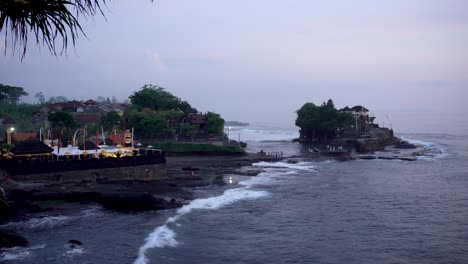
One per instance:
(107,142)
(31,147)
(88,145)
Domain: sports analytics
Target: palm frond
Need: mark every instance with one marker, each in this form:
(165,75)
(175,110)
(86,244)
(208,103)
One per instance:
(52,22)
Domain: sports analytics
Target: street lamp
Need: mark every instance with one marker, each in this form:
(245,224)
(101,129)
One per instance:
(9,132)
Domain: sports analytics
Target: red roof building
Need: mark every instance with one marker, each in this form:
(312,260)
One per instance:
(23,136)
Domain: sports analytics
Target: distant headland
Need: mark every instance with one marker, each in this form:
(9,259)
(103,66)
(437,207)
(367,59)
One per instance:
(327,129)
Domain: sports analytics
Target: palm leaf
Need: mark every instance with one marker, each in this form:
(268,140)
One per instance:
(51,22)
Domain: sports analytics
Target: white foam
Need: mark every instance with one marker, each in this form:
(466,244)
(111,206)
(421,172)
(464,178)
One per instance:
(303,166)
(228,197)
(74,252)
(268,177)
(93,211)
(14,255)
(164,236)
(259,134)
(17,253)
(39,222)
(418,142)
(430,151)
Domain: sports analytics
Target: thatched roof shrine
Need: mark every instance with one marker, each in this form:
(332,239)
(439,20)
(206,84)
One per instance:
(31,147)
(88,145)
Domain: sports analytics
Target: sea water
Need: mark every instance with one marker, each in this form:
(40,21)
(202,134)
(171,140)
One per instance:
(366,211)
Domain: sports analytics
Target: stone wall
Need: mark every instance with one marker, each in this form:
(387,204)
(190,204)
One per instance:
(136,172)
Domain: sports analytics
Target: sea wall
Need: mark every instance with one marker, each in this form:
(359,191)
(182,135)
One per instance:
(142,172)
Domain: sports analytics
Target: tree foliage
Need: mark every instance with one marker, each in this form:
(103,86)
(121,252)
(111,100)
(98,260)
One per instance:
(40,97)
(188,130)
(62,119)
(321,121)
(150,124)
(57,99)
(11,94)
(214,123)
(111,121)
(157,98)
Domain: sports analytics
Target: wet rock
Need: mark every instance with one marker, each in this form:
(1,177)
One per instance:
(408,158)
(405,145)
(367,157)
(190,169)
(385,157)
(72,243)
(11,239)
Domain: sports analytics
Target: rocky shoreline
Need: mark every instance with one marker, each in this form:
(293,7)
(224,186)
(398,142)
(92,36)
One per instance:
(172,189)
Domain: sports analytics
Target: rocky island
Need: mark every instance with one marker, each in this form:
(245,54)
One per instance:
(348,132)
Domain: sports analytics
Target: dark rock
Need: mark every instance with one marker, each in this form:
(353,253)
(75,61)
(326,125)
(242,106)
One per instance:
(405,145)
(12,239)
(74,242)
(385,157)
(17,209)
(367,157)
(135,202)
(408,158)
(190,169)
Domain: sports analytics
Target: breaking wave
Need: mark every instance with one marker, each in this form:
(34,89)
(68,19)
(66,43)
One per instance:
(164,236)
(261,134)
(47,222)
(39,223)
(430,150)
(18,253)
(301,166)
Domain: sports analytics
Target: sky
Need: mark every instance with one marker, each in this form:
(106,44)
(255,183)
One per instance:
(260,61)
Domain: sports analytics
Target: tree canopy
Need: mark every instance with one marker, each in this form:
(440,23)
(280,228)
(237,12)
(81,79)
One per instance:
(62,119)
(11,94)
(111,121)
(158,99)
(214,123)
(321,121)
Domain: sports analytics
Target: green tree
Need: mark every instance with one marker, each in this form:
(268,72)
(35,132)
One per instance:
(63,124)
(188,130)
(151,124)
(214,123)
(11,94)
(40,97)
(62,119)
(157,98)
(111,121)
(320,122)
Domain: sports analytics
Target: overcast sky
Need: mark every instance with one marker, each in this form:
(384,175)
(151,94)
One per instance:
(261,60)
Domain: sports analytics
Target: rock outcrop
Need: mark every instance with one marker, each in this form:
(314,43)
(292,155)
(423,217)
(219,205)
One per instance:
(10,239)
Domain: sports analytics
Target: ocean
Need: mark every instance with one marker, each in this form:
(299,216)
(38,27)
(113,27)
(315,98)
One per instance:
(364,211)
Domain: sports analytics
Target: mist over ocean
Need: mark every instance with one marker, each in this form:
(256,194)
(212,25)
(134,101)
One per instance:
(366,211)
